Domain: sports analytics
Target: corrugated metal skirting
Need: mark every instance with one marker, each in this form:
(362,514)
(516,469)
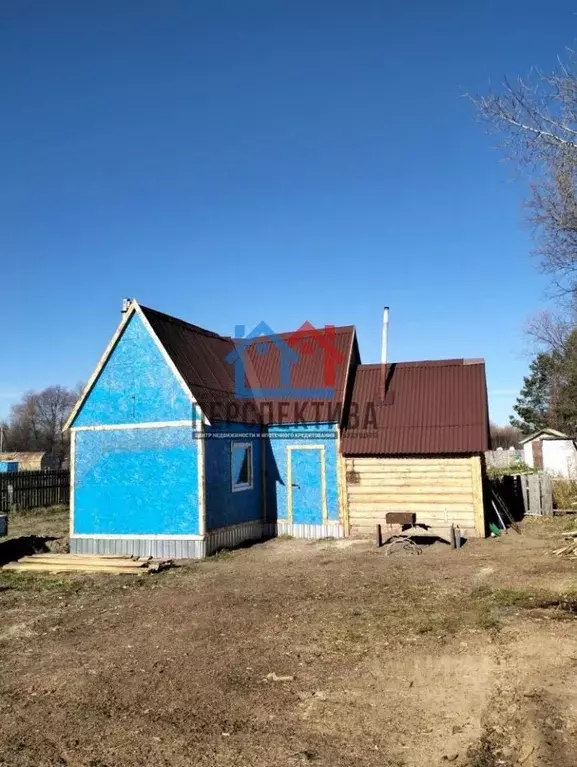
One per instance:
(226,538)
(159,548)
(229,537)
(330,530)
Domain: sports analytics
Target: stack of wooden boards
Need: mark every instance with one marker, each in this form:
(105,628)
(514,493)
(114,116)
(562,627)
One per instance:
(88,563)
(569,549)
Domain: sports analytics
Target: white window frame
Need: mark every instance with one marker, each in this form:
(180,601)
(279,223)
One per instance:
(237,487)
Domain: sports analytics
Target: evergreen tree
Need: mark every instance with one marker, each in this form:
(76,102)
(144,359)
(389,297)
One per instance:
(564,403)
(533,406)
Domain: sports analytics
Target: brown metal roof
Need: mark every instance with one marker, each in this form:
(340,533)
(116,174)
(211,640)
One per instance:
(312,372)
(431,407)
(201,358)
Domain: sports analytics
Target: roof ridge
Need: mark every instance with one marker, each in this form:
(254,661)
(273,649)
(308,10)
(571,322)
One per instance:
(301,334)
(258,339)
(450,362)
(187,325)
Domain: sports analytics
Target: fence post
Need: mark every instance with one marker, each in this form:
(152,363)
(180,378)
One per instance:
(525,494)
(523,486)
(546,494)
(535,494)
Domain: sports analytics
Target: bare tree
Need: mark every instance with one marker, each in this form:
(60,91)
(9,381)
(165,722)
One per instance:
(36,422)
(504,436)
(536,118)
(550,330)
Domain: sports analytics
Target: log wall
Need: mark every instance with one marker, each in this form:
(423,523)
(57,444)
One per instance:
(441,491)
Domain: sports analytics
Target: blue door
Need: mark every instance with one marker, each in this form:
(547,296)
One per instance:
(306,497)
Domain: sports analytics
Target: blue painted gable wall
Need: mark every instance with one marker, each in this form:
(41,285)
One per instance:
(144,481)
(277,469)
(224,507)
(136,385)
(136,481)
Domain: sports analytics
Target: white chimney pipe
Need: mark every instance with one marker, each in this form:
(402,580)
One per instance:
(384,351)
(125,305)
(385,344)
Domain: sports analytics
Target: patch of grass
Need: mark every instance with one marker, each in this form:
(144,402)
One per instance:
(41,511)
(438,623)
(513,597)
(481,592)
(502,471)
(487,753)
(553,525)
(320,541)
(78,582)
(223,554)
(564,494)
(564,523)
(42,521)
(486,619)
(489,602)
(12,580)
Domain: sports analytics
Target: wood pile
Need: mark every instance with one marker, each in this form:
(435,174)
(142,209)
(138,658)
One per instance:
(569,549)
(88,563)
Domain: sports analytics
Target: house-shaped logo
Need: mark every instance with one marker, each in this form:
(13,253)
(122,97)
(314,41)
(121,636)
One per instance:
(292,348)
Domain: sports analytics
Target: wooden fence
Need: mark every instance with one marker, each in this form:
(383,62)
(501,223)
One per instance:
(537,494)
(32,489)
(525,494)
(503,458)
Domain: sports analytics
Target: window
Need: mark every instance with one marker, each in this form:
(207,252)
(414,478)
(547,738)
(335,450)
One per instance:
(241,465)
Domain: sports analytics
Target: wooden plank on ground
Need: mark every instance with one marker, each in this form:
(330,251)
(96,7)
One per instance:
(91,563)
(64,568)
(88,561)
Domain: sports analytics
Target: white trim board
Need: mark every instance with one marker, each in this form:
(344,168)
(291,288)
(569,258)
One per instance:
(145,425)
(72,479)
(169,361)
(134,308)
(201,480)
(237,487)
(140,536)
(101,362)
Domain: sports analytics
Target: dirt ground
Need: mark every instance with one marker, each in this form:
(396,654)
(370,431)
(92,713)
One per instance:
(328,654)
(51,523)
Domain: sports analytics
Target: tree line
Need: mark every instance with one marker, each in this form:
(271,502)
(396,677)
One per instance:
(35,423)
(535,118)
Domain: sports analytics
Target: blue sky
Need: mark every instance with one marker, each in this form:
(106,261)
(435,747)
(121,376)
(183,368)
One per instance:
(276,160)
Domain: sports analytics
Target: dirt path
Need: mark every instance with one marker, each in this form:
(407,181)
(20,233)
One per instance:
(297,653)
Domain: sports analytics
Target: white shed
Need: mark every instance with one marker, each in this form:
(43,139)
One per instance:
(551,450)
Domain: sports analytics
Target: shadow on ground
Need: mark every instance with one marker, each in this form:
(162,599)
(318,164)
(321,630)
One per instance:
(16,548)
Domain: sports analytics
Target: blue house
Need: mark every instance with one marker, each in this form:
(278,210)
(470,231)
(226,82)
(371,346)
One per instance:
(173,456)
